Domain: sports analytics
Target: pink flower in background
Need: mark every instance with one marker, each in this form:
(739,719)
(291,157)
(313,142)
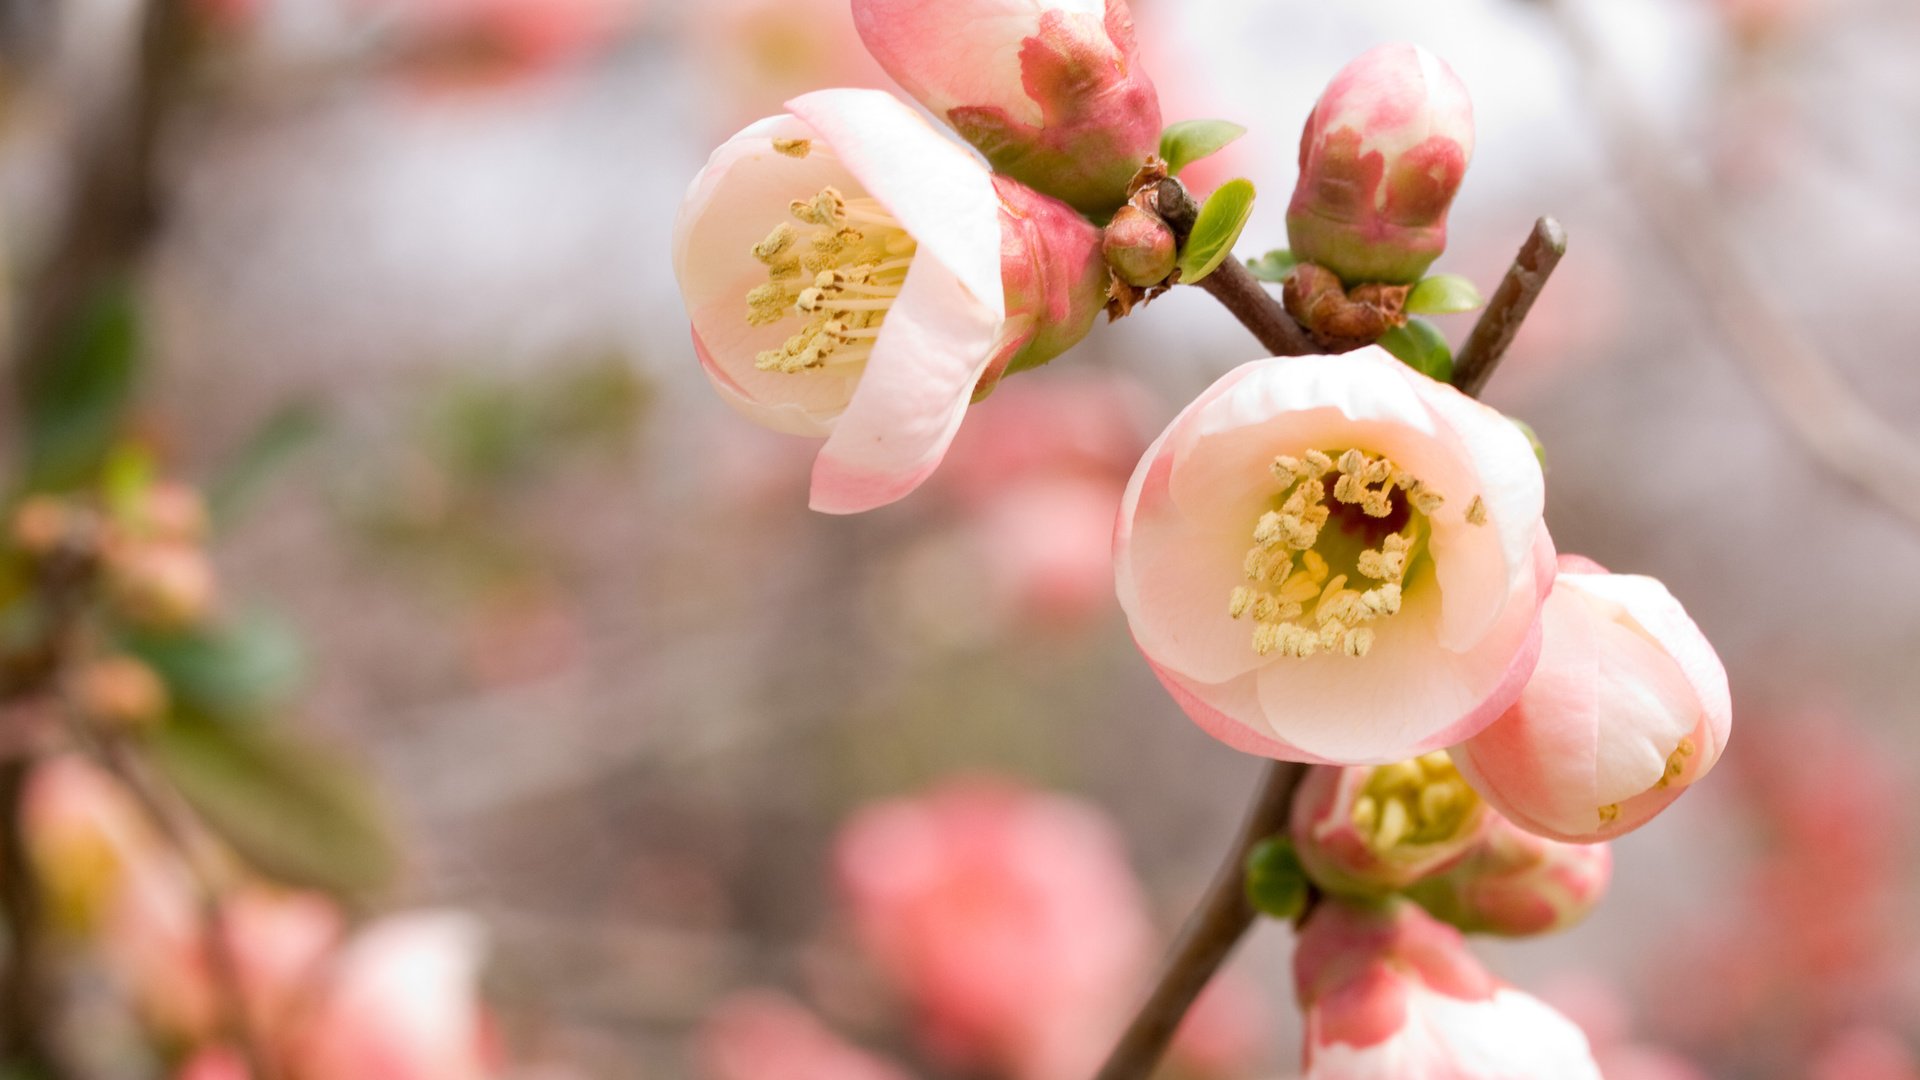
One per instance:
(1381,158)
(1009,919)
(761,1035)
(1628,707)
(1336,559)
(755,54)
(215,1063)
(853,275)
(1370,829)
(1391,994)
(1051,91)
(1516,883)
(85,836)
(1865,1053)
(468,41)
(401,1002)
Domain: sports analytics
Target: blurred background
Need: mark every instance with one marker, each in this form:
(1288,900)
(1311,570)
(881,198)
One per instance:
(483,529)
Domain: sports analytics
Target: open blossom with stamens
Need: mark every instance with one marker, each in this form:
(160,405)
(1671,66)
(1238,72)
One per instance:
(1382,155)
(1628,707)
(1515,883)
(1368,829)
(1391,994)
(1051,91)
(853,275)
(1336,559)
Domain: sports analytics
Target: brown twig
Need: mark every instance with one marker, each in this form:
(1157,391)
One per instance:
(1500,322)
(1834,424)
(1224,915)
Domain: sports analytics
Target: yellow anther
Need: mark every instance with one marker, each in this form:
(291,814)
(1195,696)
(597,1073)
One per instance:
(1366,814)
(1357,642)
(1437,763)
(793,148)
(776,243)
(1609,813)
(1477,511)
(1394,823)
(1401,776)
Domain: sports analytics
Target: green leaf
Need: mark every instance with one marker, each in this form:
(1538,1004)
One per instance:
(74,405)
(1215,230)
(1188,141)
(1276,882)
(1421,346)
(284,434)
(239,671)
(296,814)
(1444,294)
(1274,266)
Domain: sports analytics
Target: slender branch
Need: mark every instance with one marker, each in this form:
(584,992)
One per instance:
(1213,930)
(26,1000)
(1831,420)
(1500,323)
(1224,915)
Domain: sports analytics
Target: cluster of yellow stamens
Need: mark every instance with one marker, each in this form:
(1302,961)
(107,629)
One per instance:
(1418,802)
(1299,605)
(838,271)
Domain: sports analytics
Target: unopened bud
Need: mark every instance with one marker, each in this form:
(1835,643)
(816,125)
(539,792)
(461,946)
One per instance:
(121,692)
(1381,158)
(162,586)
(1140,247)
(1051,274)
(1370,829)
(1517,884)
(1338,317)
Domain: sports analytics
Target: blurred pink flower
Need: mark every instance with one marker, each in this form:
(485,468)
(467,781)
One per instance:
(1865,1053)
(761,1035)
(916,281)
(1516,883)
(463,42)
(756,54)
(214,1063)
(1383,153)
(85,835)
(1363,610)
(1391,994)
(1009,919)
(1628,708)
(1051,91)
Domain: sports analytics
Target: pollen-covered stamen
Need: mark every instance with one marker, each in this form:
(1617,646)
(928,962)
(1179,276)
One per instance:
(1299,604)
(1414,803)
(837,272)
(1677,763)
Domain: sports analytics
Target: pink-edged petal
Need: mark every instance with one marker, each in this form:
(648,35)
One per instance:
(938,191)
(936,342)
(950,55)
(1656,612)
(809,414)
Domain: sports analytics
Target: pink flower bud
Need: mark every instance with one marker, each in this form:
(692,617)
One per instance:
(1140,247)
(1335,559)
(1628,707)
(1515,883)
(1392,994)
(1379,829)
(852,275)
(1051,91)
(1382,155)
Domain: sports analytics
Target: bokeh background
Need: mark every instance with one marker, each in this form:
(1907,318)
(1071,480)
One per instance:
(410,289)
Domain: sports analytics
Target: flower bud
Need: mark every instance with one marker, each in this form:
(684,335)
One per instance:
(1627,708)
(1051,91)
(162,586)
(1371,829)
(1518,884)
(1382,155)
(1052,273)
(1140,247)
(169,511)
(120,691)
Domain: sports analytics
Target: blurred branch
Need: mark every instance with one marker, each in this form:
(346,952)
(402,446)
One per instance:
(1832,422)
(26,1001)
(1224,914)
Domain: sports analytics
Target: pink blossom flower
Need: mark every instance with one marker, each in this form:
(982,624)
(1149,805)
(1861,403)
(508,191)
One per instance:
(760,1035)
(1336,559)
(1515,883)
(1391,994)
(853,275)
(1009,919)
(84,833)
(1051,91)
(1383,153)
(1368,829)
(465,42)
(402,1003)
(1628,707)
(1865,1053)
(215,1063)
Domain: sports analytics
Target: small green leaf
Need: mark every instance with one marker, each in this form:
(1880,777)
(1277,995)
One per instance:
(1274,266)
(273,444)
(1421,346)
(1188,141)
(74,406)
(1539,448)
(1444,294)
(239,671)
(296,814)
(1215,230)
(1276,882)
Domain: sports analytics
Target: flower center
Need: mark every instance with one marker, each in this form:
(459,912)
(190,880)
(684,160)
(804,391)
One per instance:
(1415,803)
(836,272)
(1333,554)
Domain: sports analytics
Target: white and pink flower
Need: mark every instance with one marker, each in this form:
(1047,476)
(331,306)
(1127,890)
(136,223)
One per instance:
(1518,884)
(1337,560)
(1627,708)
(1372,829)
(854,275)
(1391,994)
(1051,91)
(1381,158)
